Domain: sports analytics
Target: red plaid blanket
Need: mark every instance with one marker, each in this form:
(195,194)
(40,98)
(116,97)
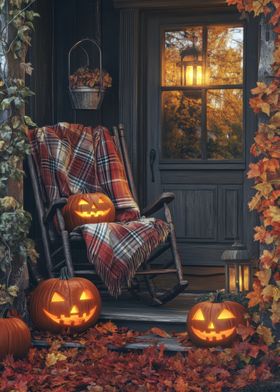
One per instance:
(72,158)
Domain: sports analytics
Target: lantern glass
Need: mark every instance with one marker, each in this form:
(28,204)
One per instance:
(239,278)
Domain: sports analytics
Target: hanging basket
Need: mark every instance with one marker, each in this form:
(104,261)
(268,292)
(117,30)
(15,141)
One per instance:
(84,97)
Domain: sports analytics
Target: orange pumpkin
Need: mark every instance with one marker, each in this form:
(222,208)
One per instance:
(15,337)
(214,323)
(88,208)
(65,304)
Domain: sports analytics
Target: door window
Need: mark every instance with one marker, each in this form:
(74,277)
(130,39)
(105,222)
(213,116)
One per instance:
(202,93)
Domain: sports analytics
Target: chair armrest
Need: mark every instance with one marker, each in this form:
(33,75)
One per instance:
(56,204)
(165,198)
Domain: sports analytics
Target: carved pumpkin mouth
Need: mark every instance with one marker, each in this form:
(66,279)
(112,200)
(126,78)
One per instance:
(90,214)
(72,320)
(212,335)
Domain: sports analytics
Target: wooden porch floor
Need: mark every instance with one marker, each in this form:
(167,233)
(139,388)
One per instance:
(131,312)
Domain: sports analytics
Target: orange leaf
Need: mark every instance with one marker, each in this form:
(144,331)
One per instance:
(159,332)
(264,276)
(266,334)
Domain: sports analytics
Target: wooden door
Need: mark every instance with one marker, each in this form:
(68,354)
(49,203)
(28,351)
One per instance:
(199,72)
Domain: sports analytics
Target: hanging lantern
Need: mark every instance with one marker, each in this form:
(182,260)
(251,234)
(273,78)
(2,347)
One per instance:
(191,66)
(238,268)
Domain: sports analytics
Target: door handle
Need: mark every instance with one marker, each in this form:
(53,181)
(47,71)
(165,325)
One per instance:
(153,155)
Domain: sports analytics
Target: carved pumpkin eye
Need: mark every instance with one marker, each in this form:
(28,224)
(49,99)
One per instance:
(100,201)
(198,315)
(226,314)
(83,203)
(86,294)
(57,298)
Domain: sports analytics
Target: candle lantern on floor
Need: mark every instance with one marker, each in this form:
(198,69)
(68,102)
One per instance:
(238,268)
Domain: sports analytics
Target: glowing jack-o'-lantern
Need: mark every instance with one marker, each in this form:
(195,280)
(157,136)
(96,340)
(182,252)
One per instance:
(65,303)
(214,323)
(88,208)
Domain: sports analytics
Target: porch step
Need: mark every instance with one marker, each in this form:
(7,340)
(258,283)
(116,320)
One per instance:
(133,314)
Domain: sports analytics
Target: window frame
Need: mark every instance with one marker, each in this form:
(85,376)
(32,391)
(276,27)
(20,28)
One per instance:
(203,89)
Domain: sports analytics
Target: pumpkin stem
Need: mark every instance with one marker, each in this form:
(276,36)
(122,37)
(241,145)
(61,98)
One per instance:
(64,274)
(219,297)
(4,311)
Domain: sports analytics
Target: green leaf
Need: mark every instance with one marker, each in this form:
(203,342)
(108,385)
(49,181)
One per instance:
(6,103)
(29,122)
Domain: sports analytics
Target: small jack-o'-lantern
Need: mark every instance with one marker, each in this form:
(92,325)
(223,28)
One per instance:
(214,323)
(88,208)
(64,303)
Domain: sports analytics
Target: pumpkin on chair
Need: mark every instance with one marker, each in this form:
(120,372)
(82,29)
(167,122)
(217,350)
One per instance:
(15,337)
(214,323)
(88,208)
(65,303)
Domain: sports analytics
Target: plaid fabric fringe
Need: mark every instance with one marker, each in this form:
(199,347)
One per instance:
(71,158)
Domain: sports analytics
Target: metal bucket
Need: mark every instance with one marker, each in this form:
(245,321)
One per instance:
(86,98)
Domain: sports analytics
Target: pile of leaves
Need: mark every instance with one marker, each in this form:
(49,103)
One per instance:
(265,297)
(98,368)
(85,77)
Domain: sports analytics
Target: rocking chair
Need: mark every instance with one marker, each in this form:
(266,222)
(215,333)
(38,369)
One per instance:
(68,248)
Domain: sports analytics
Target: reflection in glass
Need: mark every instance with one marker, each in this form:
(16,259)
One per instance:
(224,124)
(182,58)
(181,125)
(224,55)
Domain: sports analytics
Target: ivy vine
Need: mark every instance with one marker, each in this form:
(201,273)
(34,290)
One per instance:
(16,27)
(265,296)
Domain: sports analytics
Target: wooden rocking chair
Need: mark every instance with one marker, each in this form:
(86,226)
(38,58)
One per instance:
(68,249)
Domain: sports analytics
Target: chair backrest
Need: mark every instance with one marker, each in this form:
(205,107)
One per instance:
(120,142)
(47,231)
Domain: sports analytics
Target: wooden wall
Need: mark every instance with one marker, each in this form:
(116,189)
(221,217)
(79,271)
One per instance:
(61,24)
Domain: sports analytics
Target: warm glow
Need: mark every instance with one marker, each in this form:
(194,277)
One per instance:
(193,75)
(239,279)
(83,203)
(90,214)
(232,279)
(212,335)
(199,75)
(57,298)
(243,278)
(226,314)
(74,310)
(72,320)
(211,325)
(189,75)
(86,295)
(198,315)
(100,201)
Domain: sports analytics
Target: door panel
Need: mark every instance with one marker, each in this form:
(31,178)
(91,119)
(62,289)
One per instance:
(200,157)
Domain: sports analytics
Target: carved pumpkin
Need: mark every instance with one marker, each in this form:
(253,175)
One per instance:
(88,208)
(214,323)
(15,337)
(64,303)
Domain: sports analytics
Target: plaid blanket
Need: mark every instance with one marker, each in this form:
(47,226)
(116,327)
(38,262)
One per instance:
(72,158)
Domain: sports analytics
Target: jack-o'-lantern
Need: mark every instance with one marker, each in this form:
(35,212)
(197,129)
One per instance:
(88,208)
(65,304)
(15,337)
(214,323)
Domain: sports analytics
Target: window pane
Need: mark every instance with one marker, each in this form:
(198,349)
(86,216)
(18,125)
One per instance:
(225,55)
(180,46)
(181,125)
(224,124)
